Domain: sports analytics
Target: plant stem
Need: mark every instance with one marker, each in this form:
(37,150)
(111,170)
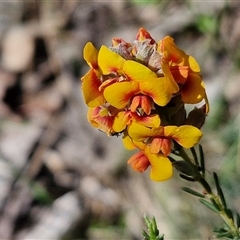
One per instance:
(213,197)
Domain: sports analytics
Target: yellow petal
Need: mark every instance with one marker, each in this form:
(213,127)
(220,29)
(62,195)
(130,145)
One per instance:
(109,61)
(193,90)
(156,90)
(119,94)
(147,120)
(186,135)
(171,85)
(121,120)
(127,142)
(90,54)
(138,72)
(161,167)
(193,64)
(140,133)
(92,96)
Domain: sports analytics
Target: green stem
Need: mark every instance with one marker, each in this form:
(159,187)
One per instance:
(214,198)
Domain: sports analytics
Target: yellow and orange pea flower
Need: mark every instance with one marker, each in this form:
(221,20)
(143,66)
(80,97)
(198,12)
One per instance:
(182,69)
(124,84)
(155,145)
(160,166)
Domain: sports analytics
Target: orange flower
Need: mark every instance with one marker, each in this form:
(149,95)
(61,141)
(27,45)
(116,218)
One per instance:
(178,67)
(102,117)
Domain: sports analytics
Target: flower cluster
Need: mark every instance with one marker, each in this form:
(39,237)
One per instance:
(140,90)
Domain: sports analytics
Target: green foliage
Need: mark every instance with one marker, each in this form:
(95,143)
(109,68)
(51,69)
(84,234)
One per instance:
(153,232)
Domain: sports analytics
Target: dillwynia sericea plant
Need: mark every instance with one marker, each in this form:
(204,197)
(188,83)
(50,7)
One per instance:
(139,91)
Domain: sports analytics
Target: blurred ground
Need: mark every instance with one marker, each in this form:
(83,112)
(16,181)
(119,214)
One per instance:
(62,179)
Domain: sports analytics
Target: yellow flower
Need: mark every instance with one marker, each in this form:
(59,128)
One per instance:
(135,79)
(161,167)
(160,139)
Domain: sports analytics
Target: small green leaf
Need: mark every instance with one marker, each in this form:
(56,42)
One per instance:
(208,204)
(202,159)
(152,229)
(185,177)
(188,190)
(205,185)
(194,154)
(237,220)
(226,234)
(219,190)
(214,204)
(145,235)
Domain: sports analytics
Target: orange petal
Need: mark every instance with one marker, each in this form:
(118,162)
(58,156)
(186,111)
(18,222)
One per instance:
(90,86)
(99,118)
(90,54)
(139,162)
(161,144)
(155,145)
(119,94)
(170,52)
(135,103)
(143,102)
(109,61)
(186,135)
(143,34)
(180,74)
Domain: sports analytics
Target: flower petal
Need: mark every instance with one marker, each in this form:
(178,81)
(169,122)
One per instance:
(171,85)
(161,144)
(99,118)
(138,72)
(147,120)
(193,90)
(121,120)
(109,61)
(161,167)
(127,142)
(90,55)
(140,133)
(139,162)
(156,90)
(119,94)
(90,86)
(193,64)
(186,135)
(170,52)
(130,144)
